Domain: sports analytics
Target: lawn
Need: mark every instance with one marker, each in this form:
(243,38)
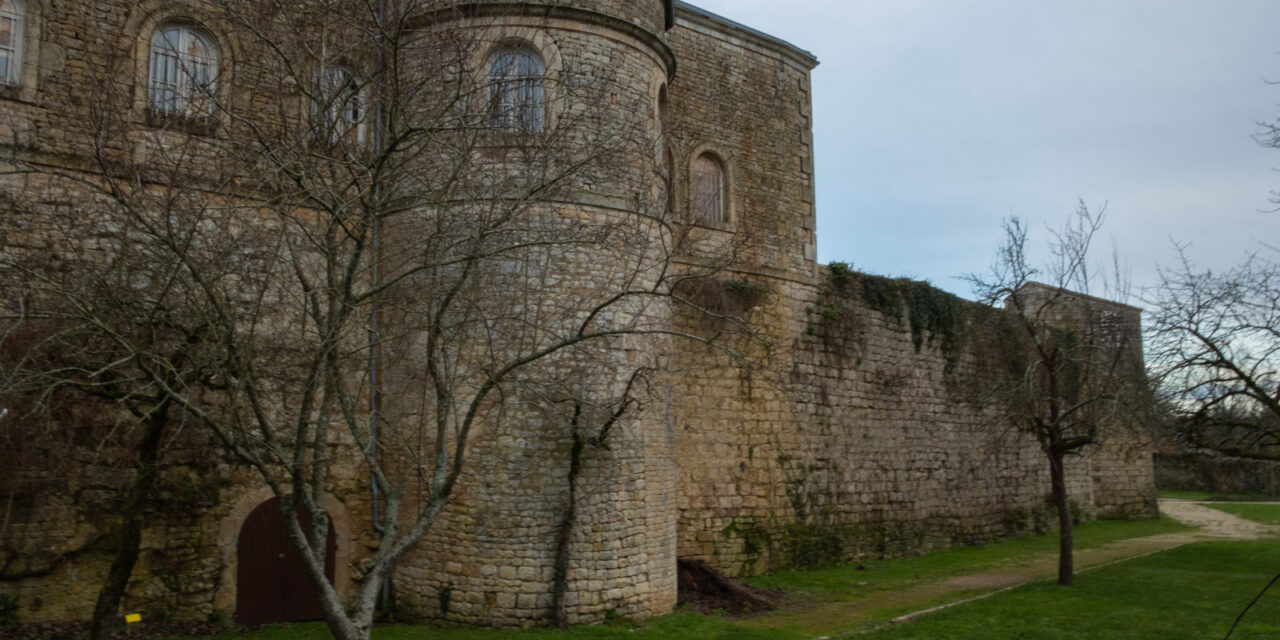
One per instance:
(1191,592)
(1194,591)
(830,585)
(848,582)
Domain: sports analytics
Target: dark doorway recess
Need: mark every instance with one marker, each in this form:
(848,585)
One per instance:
(271,581)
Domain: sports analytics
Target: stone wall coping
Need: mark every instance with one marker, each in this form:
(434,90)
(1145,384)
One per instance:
(525,9)
(1032,287)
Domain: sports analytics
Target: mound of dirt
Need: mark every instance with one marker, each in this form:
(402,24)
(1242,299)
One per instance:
(706,590)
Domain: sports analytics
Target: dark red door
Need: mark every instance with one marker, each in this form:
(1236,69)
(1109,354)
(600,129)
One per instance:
(271,581)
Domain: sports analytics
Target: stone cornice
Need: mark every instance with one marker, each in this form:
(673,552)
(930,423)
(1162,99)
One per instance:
(555,12)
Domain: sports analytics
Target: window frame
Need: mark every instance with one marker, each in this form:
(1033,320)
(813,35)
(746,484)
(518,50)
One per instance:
(12,76)
(185,93)
(329,110)
(516,101)
(724,217)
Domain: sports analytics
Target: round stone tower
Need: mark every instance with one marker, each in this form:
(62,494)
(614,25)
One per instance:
(568,497)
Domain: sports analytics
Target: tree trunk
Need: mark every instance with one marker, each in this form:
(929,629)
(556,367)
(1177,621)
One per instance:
(107,607)
(1066,532)
(560,582)
(343,626)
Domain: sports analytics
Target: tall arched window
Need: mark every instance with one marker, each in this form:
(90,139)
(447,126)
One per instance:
(516,76)
(184,71)
(708,189)
(663,113)
(340,106)
(669,175)
(11,15)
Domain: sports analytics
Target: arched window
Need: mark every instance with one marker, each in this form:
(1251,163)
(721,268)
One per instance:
(663,113)
(11,14)
(708,190)
(340,106)
(516,77)
(669,175)
(184,70)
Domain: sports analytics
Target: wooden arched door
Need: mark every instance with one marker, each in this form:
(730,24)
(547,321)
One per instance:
(271,580)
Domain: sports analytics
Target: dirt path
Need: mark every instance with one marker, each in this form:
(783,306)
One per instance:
(1214,524)
(831,617)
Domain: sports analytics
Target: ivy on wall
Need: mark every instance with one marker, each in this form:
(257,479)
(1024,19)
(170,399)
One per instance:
(933,316)
(729,298)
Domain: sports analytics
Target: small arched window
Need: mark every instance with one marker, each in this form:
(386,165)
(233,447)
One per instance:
(184,71)
(11,18)
(669,176)
(516,77)
(664,114)
(340,106)
(708,189)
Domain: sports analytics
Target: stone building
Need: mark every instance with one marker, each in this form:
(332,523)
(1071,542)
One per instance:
(857,436)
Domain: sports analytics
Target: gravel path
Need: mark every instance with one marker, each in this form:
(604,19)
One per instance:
(1214,524)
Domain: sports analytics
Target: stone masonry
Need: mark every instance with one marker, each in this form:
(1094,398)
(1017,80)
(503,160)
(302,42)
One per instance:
(849,434)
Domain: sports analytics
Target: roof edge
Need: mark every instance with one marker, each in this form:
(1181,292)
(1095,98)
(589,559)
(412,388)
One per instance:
(1033,284)
(801,56)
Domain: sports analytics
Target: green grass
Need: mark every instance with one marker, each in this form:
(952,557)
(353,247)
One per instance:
(1264,513)
(1186,495)
(841,583)
(1194,591)
(829,585)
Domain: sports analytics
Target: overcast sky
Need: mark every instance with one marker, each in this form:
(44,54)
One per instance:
(935,119)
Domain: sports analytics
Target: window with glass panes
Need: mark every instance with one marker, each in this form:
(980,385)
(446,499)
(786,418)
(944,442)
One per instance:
(184,69)
(11,15)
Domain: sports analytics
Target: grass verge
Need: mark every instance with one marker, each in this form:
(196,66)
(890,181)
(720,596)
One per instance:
(1194,591)
(848,581)
(841,584)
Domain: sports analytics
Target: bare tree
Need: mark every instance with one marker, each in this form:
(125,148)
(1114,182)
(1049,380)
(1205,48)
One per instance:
(1215,352)
(54,405)
(358,188)
(1061,368)
(99,329)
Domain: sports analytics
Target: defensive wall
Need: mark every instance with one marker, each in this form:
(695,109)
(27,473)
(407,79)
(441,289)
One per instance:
(872,438)
(865,435)
(1217,474)
(854,431)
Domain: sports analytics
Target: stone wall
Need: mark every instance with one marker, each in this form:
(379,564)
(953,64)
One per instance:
(62,525)
(648,15)
(858,436)
(1123,481)
(746,98)
(1217,474)
(60,528)
(839,430)
(853,443)
(493,558)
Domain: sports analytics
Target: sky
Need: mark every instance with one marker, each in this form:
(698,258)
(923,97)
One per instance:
(934,120)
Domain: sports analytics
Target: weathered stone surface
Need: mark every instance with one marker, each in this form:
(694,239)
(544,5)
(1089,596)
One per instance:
(848,441)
